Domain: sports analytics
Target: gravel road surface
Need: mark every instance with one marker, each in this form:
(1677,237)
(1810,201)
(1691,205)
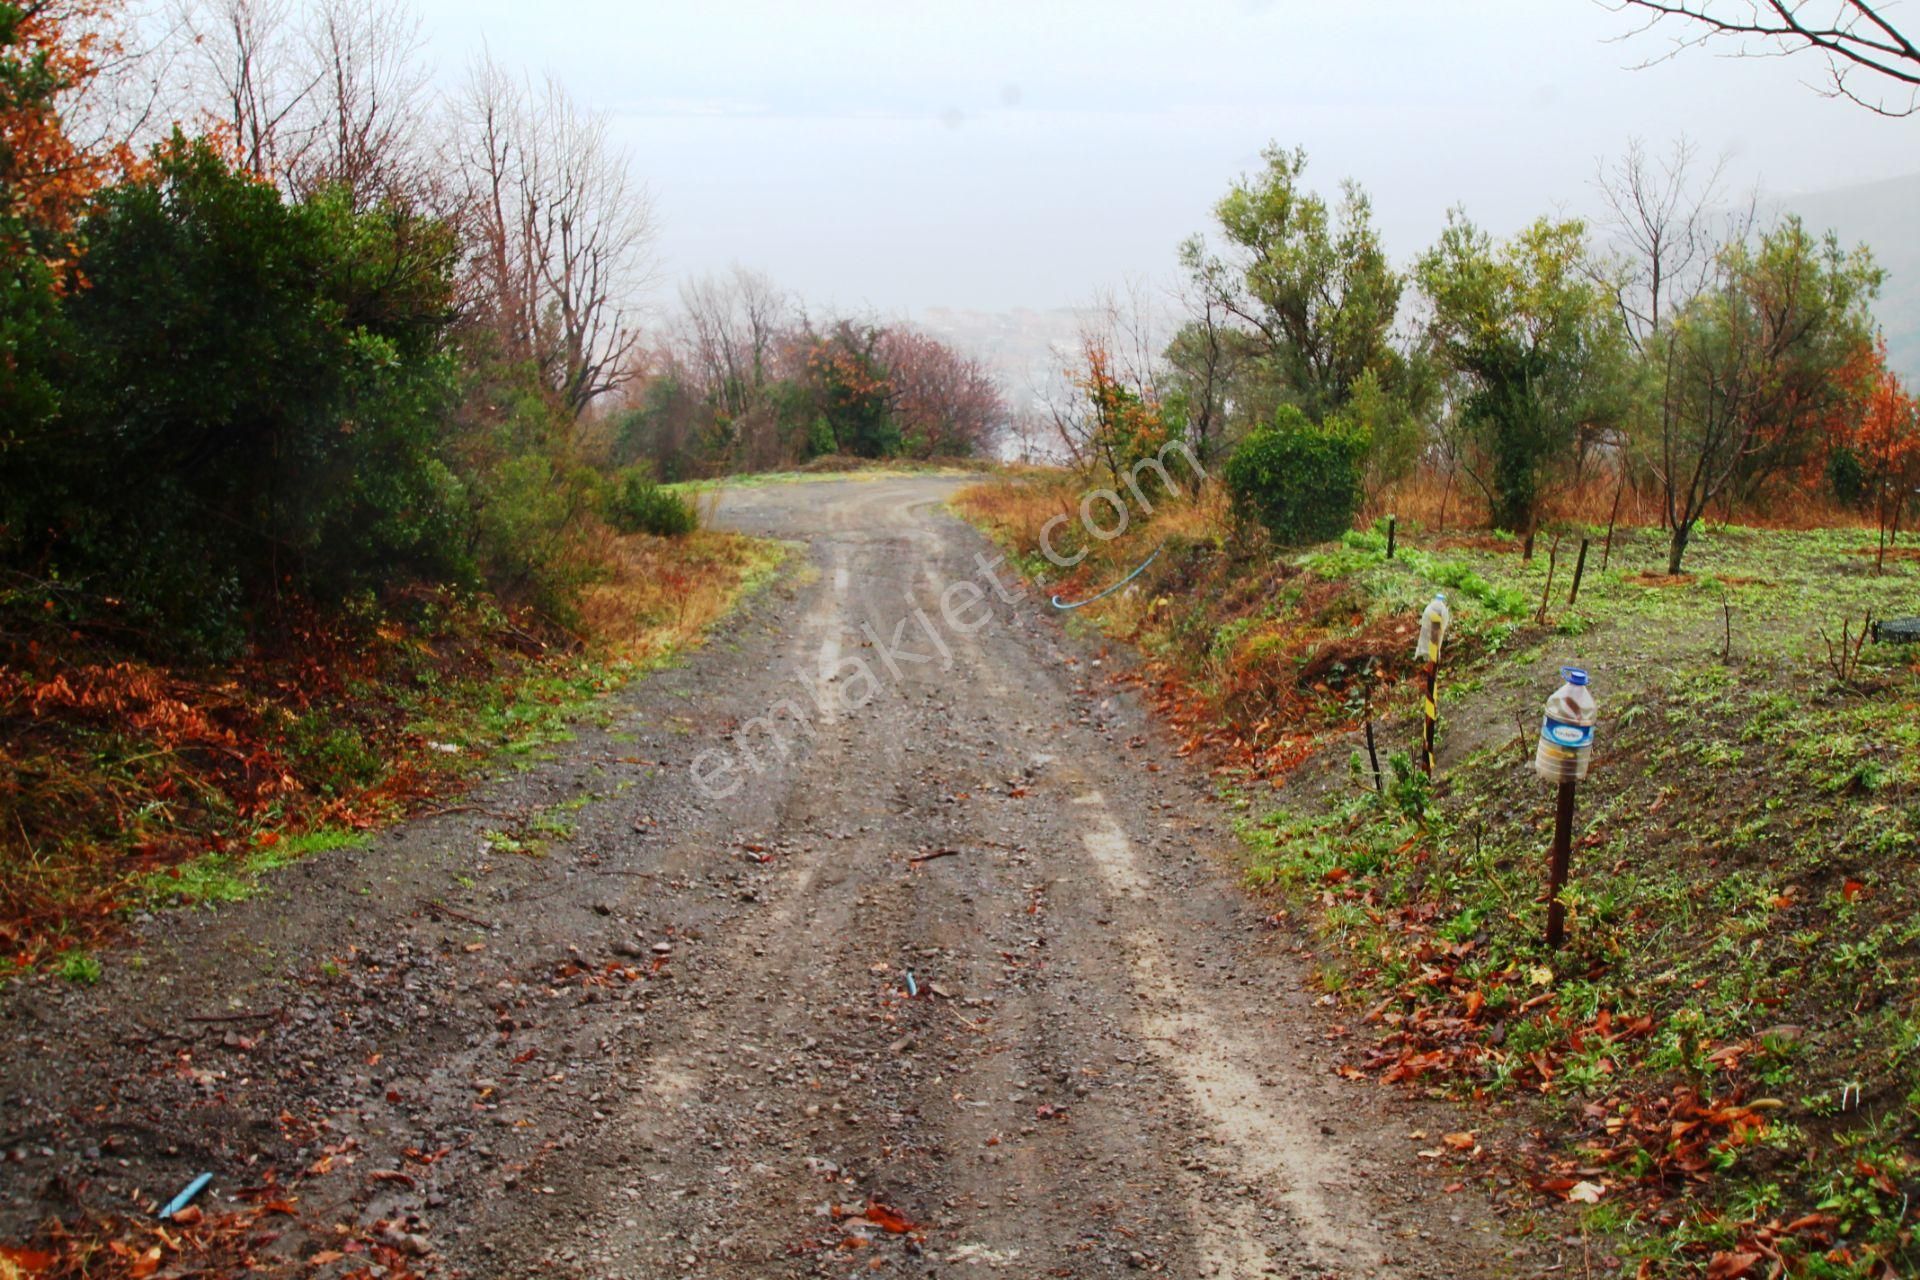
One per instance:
(884,934)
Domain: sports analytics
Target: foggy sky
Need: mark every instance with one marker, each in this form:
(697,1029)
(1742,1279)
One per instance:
(905,155)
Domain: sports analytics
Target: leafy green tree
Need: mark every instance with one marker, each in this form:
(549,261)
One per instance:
(1390,425)
(1754,371)
(46,178)
(853,392)
(1538,348)
(1205,362)
(664,427)
(29,333)
(1310,285)
(254,393)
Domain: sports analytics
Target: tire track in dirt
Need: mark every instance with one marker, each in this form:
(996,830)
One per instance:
(1108,1068)
(1276,1145)
(696,1099)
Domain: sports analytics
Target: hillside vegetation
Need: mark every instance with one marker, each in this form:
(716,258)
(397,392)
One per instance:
(1725,1060)
(1696,419)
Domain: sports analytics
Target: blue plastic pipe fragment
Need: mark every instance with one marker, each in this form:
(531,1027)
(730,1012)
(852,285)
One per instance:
(186,1197)
(1058,603)
(913,988)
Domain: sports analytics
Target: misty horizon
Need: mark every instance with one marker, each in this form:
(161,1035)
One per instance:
(1014,159)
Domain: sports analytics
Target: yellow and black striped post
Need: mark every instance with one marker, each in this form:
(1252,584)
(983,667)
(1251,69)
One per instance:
(1434,621)
(1432,709)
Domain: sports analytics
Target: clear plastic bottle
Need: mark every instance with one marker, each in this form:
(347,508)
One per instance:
(1566,731)
(1433,629)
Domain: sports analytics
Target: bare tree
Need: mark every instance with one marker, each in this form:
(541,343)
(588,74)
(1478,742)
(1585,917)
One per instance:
(130,86)
(499,281)
(1854,36)
(1118,349)
(731,325)
(1028,434)
(562,232)
(1128,323)
(1752,368)
(244,66)
(1667,227)
(325,93)
(366,104)
(1204,358)
(1667,234)
(594,227)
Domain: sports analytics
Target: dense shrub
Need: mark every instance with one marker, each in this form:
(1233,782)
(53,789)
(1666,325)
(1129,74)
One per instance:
(335,757)
(636,504)
(853,393)
(253,394)
(1299,480)
(526,530)
(1846,475)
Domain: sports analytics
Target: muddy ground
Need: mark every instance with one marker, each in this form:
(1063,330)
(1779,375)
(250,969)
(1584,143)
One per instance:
(956,943)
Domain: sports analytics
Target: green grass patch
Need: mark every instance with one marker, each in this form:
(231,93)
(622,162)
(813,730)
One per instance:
(78,965)
(1730,1041)
(214,878)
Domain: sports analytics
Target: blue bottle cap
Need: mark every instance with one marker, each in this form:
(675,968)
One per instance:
(1574,675)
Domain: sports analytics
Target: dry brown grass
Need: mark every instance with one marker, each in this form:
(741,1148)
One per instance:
(661,594)
(1247,688)
(1437,501)
(1019,504)
(1022,500)
(114,769)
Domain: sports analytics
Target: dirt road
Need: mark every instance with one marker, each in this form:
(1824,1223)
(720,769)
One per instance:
(887,907)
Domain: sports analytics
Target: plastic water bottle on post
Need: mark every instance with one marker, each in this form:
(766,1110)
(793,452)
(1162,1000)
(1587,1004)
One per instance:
(1566,730)
(1433,629)
(1564,751)
(1434,622)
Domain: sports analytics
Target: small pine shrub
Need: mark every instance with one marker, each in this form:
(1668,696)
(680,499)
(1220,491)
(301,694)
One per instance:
(635,504)
(1846,476)
(1301,481)
(333,756)
(1410,790)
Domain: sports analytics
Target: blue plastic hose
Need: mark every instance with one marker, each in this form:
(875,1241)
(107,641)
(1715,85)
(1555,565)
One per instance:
(1059,604)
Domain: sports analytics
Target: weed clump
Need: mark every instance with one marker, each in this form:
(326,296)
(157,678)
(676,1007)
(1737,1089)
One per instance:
(636,504)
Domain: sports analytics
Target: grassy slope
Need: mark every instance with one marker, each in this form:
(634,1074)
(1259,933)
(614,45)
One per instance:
(126,784)
(1729,1049)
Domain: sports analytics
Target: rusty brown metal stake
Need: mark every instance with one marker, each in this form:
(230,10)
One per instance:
(1557,869)
(1579,568)
(1373,755)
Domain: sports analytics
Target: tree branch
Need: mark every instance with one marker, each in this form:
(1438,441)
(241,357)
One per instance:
(1853,35)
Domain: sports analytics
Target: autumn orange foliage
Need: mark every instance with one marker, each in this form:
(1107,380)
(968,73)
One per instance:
(112,768)
(1885,436)
(46,175)
(1124,423)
